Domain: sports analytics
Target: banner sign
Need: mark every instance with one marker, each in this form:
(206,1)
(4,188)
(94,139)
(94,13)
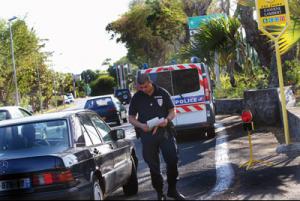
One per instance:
(272,13)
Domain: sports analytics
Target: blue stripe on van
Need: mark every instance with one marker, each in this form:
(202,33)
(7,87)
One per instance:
(188,100)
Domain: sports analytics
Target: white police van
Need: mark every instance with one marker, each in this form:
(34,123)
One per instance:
(191,90)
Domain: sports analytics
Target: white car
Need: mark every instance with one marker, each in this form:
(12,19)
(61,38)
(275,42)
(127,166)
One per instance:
(68,99)
(13,112)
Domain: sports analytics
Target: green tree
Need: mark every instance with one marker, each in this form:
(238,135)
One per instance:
(218,35)
(28,57)
(103,85)
(148,30)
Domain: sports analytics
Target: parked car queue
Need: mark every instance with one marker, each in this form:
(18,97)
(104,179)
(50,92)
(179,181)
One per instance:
(65,155)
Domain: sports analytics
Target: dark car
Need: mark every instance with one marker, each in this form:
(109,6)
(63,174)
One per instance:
(13,112)
(108,107)
(66,155)
(123,95)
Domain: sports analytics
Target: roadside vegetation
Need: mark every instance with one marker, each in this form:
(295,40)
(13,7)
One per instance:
(246,58)
(156,33)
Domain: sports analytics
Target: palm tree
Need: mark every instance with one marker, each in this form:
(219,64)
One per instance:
(221,36)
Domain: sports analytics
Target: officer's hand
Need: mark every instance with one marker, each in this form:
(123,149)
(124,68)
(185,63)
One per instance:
(163,124)
(154,131)
(145,128)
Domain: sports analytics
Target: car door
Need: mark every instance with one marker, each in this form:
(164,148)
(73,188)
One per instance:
(103,152)
(122,162)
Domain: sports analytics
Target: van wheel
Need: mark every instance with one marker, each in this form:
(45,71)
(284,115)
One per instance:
(211,133)
(97,191)
(132,186)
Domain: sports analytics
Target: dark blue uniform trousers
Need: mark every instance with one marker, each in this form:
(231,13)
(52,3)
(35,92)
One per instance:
(152,144)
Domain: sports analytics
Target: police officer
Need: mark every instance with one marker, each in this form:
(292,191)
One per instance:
(150,102)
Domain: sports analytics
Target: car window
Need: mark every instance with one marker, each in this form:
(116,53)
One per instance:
(103,102)
(50,135)
(4,115)
(85,138)
(89,104)
(90,129)
(102,128)
(80,134)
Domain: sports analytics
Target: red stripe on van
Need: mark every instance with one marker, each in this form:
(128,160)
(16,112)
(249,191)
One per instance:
(193,66)
(159,69)
(171,68)
(198,107)
(148,71)
(181,67)
(186,108)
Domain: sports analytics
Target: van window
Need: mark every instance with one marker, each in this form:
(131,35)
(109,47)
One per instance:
(163,80)
(184,81)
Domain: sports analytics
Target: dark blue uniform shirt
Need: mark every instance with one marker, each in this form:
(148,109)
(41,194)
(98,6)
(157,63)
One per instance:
(148,107)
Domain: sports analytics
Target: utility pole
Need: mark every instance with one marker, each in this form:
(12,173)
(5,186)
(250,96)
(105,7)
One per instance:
(13,60)
(74,85)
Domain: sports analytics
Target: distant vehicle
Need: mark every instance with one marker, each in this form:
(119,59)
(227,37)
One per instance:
(68,99)
(192,94)
(123,95)
(13,112)
(65,155)
(108,107)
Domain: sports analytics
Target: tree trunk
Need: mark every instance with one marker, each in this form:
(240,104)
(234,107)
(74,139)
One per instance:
(194,8)
(254,37)
(230,66)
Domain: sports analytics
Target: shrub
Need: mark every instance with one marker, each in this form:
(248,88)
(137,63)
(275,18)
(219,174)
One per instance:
(103,85)
(259,80)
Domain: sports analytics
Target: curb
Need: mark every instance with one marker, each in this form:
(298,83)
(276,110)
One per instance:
(291,149)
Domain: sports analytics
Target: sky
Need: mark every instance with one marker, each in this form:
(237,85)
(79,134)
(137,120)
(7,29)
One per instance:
(75,29)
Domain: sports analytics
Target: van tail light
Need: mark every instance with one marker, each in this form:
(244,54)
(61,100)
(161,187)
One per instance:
(206,89)
(50,178)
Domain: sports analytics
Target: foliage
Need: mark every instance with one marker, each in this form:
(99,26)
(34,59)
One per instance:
(148,30)
(292,76)
(88,76)
(103,85)
(259,80)
(217,36)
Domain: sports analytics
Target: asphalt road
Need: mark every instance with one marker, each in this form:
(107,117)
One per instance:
(196,167)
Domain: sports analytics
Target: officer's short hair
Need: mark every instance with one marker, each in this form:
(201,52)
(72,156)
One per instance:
(142,78)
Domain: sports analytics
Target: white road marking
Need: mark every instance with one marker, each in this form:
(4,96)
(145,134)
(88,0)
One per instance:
(225,173)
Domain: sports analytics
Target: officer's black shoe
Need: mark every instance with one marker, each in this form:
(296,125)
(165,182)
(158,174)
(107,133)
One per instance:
(176,195)
(161,196)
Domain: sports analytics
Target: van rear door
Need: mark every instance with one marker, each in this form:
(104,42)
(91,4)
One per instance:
(189,95)
(185,84)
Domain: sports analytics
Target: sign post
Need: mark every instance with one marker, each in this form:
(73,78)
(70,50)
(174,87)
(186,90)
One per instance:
(274,15)
(248,125)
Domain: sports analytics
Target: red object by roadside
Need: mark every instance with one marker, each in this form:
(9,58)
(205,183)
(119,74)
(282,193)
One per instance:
(247,117)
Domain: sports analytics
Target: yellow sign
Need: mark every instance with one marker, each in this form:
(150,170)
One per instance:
(272,13)
(273,21)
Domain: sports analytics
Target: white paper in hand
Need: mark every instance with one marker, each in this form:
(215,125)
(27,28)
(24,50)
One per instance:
(154,122)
